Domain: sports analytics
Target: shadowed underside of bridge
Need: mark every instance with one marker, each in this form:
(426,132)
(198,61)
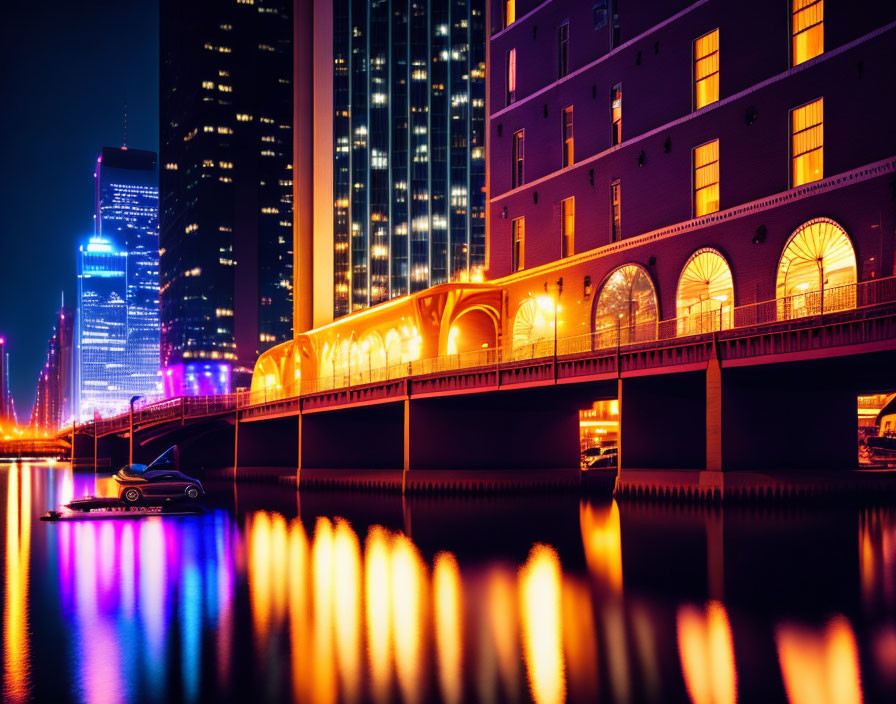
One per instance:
(769,410)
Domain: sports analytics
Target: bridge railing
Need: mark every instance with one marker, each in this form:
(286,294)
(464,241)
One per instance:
(613,338)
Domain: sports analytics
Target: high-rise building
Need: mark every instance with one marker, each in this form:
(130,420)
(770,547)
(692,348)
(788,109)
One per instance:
(409,147)
(103,380)
(127,213)
(4,382)
(226,241)
(53,399)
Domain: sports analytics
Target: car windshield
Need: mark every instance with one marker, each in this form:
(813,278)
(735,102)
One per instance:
(167,460)
(133,470)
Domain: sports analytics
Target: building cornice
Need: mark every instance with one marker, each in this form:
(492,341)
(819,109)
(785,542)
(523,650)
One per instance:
(825,185)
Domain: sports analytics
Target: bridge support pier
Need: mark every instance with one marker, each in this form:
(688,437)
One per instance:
(738,431)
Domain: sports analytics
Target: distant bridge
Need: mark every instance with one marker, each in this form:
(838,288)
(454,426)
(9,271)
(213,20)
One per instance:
(763,396)
(35,448)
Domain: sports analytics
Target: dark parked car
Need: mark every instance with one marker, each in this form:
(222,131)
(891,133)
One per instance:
(160,480)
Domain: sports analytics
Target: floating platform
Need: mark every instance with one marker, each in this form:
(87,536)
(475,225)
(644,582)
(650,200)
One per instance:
(97,507)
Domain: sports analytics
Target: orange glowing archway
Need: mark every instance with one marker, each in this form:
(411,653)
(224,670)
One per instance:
(626,309)
(475,328)
(817,271)
(705,296)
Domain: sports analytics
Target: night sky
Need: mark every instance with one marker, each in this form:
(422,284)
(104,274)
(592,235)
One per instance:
(65,68)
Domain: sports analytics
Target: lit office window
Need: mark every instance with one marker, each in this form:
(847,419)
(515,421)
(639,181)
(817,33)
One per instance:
(706,69)
(567,227)
(511,76)
(615,211)
(519,155)
(518,240)
(706,178)
(563,50)
(509,12)
(807,142)
(566,129)
(808,30)
(616,114)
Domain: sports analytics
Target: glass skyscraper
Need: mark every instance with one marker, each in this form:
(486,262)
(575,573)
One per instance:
(409,139)
(127,214)
(226,239)
(103,379)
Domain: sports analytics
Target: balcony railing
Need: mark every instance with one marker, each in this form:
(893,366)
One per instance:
(802,306)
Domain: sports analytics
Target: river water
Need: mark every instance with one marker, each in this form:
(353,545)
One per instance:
(337,597)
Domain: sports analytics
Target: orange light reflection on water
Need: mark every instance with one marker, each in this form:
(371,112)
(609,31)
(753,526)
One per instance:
(449,628)
(540,616)
(820,666)
(706,649)
(17,662)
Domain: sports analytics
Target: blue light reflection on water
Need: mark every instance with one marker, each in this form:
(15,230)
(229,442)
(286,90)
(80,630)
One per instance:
(538,599)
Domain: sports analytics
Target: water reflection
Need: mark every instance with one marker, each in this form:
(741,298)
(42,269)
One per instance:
(16,648)
(706,649)
(595,602)
(820,665)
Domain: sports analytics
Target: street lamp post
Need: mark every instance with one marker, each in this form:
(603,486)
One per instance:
(131,430)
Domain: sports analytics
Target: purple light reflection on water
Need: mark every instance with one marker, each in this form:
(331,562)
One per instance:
(540,598)
(121,584)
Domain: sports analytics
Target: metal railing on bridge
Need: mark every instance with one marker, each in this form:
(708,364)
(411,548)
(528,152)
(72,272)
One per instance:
(806,306)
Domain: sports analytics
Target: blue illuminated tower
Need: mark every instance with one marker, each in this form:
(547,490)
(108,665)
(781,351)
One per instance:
(127,215)
(103,382)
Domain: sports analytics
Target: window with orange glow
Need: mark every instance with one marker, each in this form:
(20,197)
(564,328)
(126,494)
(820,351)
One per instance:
(518,244)
(509,12)
(519,157)
(511,76)
(706,69)
(817,271)
(568,226)
(807,142)
(615,211)
(616,115)
(705,294)
(706,178)
(566,131)
(626,308)
(807,28)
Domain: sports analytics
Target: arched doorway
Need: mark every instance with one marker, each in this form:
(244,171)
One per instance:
(626,309)
(817,271)
(705,296)
(473,330)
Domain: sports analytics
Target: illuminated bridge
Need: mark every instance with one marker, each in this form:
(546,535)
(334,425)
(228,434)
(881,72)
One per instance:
(430,392)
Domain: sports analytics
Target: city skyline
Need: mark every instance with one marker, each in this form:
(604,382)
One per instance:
(70,101)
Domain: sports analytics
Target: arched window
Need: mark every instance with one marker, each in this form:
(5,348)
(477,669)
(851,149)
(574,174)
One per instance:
(705,295)
(626,308)
(817,272)
(533,328)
